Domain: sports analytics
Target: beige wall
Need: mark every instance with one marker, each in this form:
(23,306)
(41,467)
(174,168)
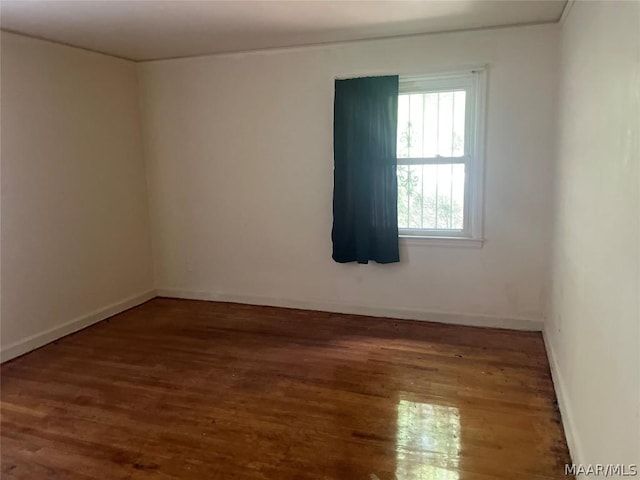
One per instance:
(240,169)
(75,236)
(594,329)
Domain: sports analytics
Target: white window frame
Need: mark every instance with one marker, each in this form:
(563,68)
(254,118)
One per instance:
(474,82)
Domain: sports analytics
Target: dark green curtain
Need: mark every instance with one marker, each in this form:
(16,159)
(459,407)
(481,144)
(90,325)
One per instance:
(365,189)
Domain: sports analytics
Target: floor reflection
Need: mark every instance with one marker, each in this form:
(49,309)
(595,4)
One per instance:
(427,441)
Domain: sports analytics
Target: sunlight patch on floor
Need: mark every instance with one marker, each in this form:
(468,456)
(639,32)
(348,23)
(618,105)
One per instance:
(427,441)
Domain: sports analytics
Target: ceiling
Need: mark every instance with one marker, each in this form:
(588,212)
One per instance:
(154,29)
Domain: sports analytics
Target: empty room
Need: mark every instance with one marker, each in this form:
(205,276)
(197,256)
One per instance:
(320,240)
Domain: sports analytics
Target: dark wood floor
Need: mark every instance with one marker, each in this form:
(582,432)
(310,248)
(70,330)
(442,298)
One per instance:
(202,390)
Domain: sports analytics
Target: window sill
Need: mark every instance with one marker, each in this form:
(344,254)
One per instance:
(465,242)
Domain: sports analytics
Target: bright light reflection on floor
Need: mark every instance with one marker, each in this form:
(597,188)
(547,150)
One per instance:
(427,442)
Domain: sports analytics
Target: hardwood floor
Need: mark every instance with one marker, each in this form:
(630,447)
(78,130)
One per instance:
(202,390)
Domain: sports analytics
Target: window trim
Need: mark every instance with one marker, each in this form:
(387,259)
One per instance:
(474,81)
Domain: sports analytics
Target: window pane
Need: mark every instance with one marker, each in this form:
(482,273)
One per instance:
(431,124)
(431,196)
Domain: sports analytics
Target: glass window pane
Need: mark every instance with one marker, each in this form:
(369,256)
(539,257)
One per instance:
(431,196)
(403,127)
(416,119)
(459,104)
(431,124)
(445,123)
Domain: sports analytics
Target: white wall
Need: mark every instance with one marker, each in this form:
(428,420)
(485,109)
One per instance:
(75,227)
(240,167)
(594,331)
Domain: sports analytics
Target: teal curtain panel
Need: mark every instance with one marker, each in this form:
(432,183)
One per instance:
(365,191)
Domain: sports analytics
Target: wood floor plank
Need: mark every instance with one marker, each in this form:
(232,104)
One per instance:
(202,390)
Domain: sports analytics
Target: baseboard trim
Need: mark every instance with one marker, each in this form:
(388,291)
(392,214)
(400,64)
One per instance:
(566,412)
(373,311)
(38,340)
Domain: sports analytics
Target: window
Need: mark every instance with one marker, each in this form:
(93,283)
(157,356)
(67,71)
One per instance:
(440,155)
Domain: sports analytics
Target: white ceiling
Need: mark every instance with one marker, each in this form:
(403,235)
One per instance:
(153,29)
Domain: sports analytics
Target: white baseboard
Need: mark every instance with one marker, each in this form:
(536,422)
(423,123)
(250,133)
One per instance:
(38,340)
(566,412)
(373,311)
